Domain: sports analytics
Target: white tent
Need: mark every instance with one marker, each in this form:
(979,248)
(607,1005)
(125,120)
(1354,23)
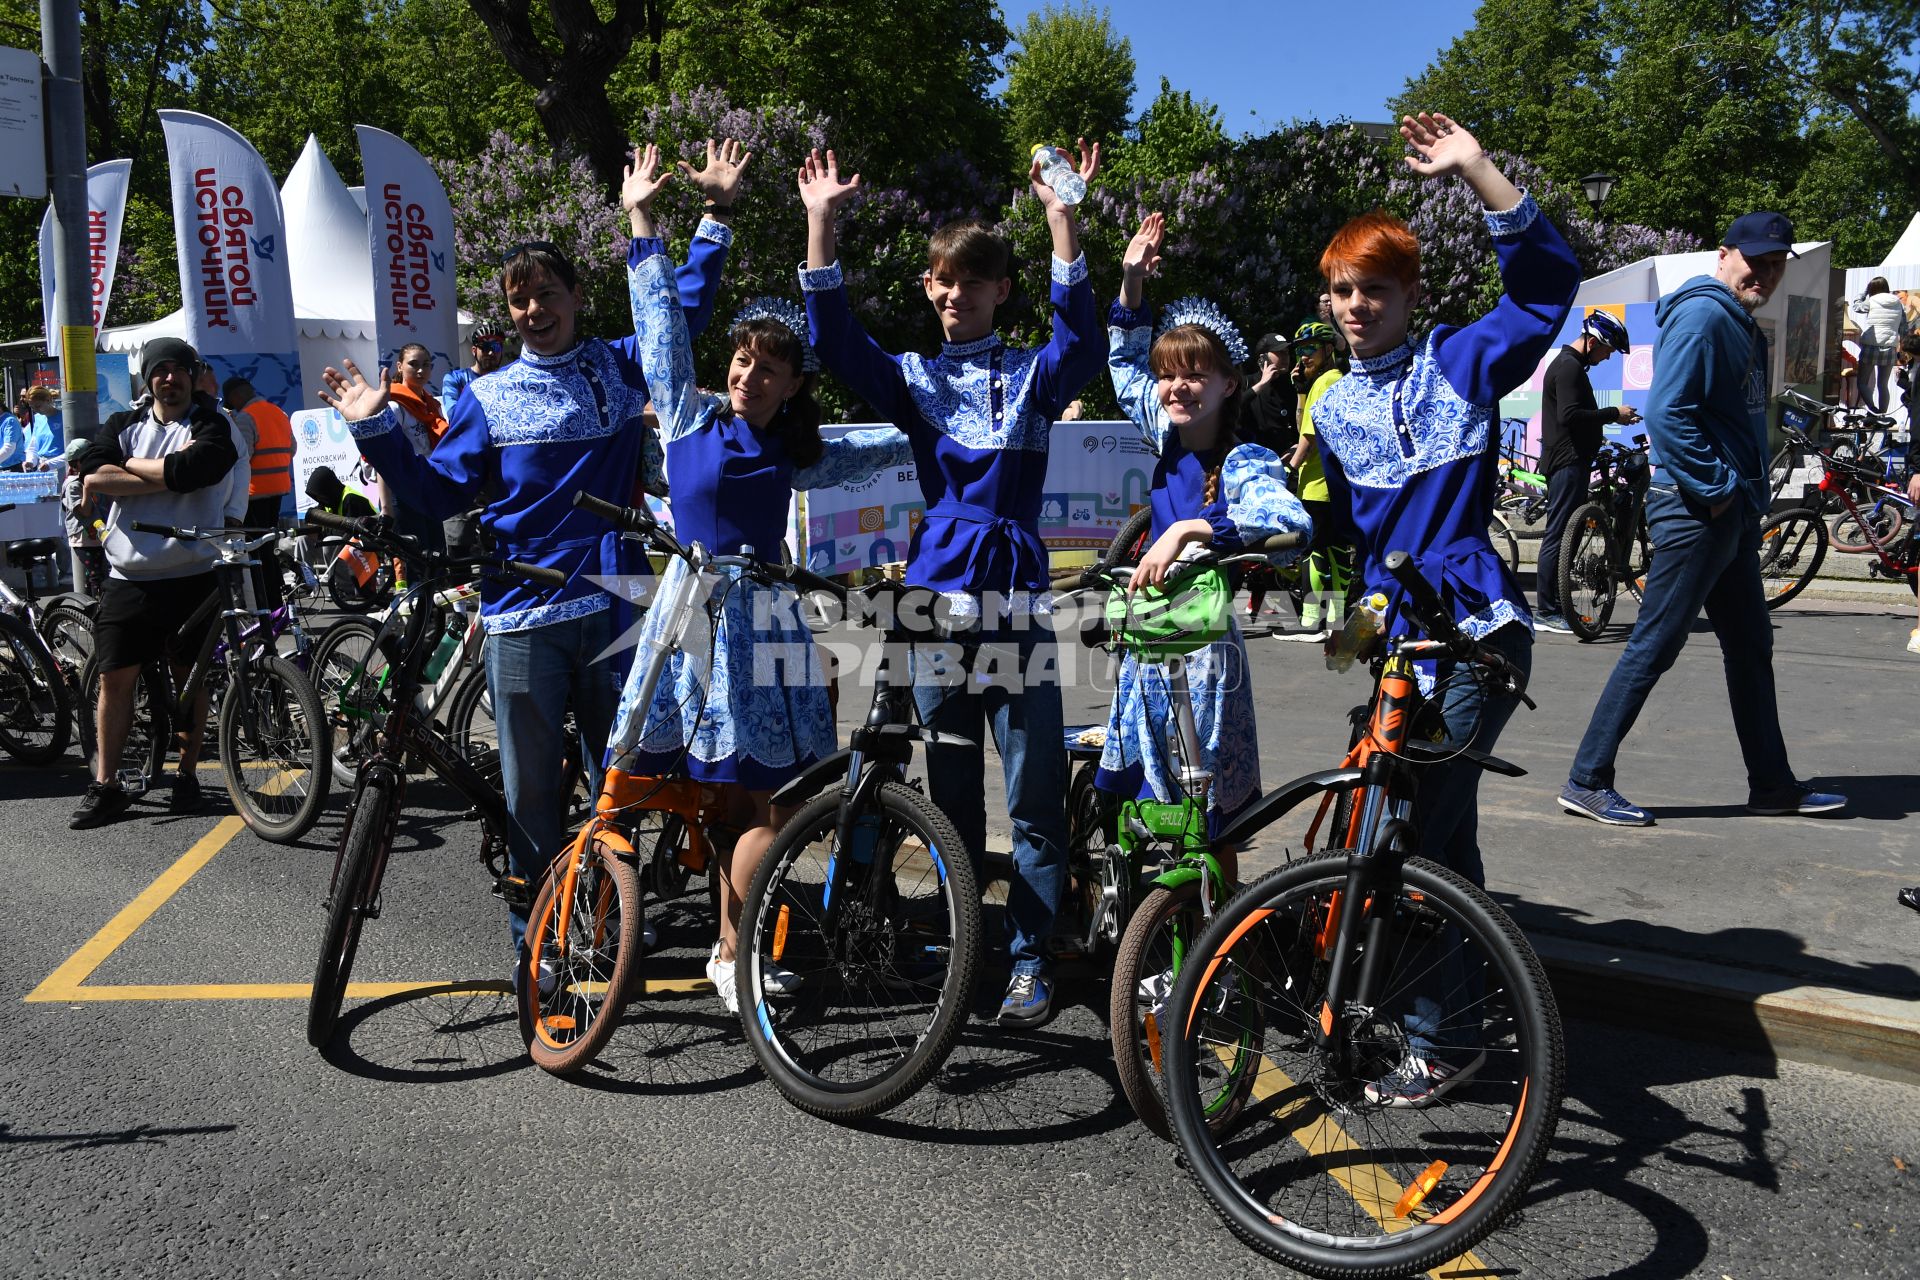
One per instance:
(332,276)
(1651,278)
(1901,266)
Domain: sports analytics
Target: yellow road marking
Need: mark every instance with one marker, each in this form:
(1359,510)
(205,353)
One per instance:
(1371,1186)
(68,983)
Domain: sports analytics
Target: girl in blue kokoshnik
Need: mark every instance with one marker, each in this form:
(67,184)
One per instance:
(753,712)
(1209,492)
(1408,443)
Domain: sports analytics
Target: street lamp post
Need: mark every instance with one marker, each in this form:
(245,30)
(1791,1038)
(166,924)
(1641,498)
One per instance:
(1597,186)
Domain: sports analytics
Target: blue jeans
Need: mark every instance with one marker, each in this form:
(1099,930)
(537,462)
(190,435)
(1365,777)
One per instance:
(1028,729)
(1444,1020)
(533,676)
(1566,490)
(1699,561)
(1447,808)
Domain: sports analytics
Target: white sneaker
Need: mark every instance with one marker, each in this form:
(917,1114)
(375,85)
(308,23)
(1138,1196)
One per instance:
(1913,641)
(1309,637)
(778,980)
(649,936)
(725,984)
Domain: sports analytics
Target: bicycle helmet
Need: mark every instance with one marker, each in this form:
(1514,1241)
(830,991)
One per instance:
(488,330)
(1603,328)
(1314,331)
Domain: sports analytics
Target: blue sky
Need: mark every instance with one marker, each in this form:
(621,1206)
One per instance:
(1268,62)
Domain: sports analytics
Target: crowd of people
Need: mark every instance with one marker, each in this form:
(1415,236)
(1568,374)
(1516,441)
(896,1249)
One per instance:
(1354,431)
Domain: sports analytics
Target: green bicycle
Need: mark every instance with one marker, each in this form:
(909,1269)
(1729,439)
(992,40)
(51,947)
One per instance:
(1148,874)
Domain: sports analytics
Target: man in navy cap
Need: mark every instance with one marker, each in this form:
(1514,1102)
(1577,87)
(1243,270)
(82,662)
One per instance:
(1707,417)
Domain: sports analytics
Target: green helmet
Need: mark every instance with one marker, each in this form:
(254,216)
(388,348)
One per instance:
(1314,331)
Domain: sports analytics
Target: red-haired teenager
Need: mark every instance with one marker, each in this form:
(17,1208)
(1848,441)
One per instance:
(1409,446)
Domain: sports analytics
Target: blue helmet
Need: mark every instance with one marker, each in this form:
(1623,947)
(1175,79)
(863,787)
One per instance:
(1604,329)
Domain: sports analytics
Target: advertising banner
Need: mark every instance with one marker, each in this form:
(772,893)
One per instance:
(1098,474)
(410,236)
(106,210)
(235,289)
(321,439)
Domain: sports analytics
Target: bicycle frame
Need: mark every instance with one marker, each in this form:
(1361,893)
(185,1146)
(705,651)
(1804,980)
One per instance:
(1831,485)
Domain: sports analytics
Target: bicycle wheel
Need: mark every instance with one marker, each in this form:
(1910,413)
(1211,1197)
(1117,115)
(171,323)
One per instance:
(68,632)
(1587,585)
(1505,545)
(355,900)
(349,676)
(1313,1172)
(575,973)
(1157,942)
(274,750)
(1792,545)
(1131,542)
(36,708)
(150,730)
(883,938)
(470,726)
(1872,527)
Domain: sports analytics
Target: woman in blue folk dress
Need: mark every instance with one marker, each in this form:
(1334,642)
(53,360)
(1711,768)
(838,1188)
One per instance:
(750,711)
(1209,492)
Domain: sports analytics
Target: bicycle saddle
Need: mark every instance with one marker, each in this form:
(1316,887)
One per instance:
(27,550)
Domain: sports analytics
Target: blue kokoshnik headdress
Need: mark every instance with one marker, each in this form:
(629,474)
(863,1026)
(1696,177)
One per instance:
(1194,309)
(783,312)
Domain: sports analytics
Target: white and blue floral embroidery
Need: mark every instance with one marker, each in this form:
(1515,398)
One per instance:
(1222,698)
(1133,382)
(666,349)
(551,399)
(1355,419)
(1511,222)
(378,425)
(954,392)
(1259,502)
(718,232)
(542,615)
(820,279)
(855,455)
(1068,273)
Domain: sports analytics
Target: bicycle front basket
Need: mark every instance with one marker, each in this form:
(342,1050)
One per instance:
(1157,624)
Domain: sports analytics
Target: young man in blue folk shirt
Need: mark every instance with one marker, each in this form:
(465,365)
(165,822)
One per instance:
(565,416)
(979,416)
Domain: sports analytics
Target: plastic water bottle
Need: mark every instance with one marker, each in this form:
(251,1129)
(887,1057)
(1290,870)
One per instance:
(1058,172)
(1362,625)
(448,646)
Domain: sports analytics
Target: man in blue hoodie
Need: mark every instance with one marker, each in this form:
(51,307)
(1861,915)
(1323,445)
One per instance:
(1707,417)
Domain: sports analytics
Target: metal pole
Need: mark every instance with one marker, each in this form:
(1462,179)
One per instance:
(72,327)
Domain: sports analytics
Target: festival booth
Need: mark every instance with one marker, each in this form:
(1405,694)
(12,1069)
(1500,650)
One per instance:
(1794,319)
(1901,266)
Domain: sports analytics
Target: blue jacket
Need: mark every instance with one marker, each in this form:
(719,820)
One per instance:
(1707,410)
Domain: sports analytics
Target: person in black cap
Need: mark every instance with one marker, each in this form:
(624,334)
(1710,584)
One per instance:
(1707,417)
(174,462)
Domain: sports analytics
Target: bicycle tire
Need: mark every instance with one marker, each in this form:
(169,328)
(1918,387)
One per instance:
(68,631)
(148,733)
(860,1033)
(368,831)
(1130,543)
(1867,531)
(595,961)
(1316,1191)
(1587,586)
(353,703)
(279,785)
(1505,545)
(470,726)
(1162,931)
(36,707)
(1793,544)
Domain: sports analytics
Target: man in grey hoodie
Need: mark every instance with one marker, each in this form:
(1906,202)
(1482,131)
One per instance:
(1707,418)
(175,462)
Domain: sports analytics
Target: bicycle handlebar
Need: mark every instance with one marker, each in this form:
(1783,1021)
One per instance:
(372,530)
(1423,602)
(640,521)
(1253,552)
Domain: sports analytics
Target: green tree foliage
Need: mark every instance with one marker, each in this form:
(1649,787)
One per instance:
(1703,109)
(1071,77)
(1176,134)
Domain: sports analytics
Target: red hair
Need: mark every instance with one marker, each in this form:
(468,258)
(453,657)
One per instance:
(1374,243)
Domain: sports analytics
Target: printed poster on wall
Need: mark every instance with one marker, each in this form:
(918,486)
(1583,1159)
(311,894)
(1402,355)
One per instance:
(410,237)
(235,288)
(1803,340)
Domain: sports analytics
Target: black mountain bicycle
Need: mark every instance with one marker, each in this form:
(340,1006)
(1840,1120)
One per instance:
(1605,545)
(407,640)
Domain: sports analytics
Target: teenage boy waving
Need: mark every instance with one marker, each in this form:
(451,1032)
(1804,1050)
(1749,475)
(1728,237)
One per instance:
(980,415)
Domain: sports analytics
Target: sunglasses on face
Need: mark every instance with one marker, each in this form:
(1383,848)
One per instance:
(490,348)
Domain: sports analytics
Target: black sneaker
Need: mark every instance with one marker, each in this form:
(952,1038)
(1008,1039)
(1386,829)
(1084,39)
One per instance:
(186,797)
(103,802)
(1911,897)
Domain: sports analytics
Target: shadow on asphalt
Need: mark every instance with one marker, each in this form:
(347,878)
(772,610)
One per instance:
(1874,797)
(1775,957)
(139,1135)
(440,1034)
(1592,1211)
